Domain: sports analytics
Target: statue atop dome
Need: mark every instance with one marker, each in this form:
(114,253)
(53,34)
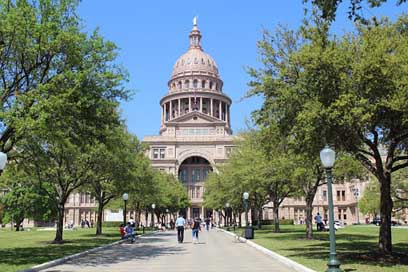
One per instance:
(195,21)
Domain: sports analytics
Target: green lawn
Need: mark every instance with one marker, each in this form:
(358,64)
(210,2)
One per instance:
(21,250)
(356,247)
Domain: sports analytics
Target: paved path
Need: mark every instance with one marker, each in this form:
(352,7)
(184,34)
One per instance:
(216,252)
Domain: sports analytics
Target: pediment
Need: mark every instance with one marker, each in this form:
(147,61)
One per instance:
(195,117)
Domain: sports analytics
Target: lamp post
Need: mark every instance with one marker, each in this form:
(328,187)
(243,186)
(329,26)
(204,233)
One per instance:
(153,207)
(227,205)
(125,197)
(249,231)
(327,156)
(356,194)
(167,217)
(3,161)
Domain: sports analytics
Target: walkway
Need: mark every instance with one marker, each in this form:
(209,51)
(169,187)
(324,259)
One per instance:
(216,252)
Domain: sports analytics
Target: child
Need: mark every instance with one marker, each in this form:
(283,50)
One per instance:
(122,231)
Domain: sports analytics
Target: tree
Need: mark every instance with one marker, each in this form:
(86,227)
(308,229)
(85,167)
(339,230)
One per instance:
(23,199)
(351,92)
(40,42)
(328,8)
(115,161)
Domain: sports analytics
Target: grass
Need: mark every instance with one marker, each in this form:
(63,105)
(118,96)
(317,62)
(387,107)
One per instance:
(22,250)
(356,247)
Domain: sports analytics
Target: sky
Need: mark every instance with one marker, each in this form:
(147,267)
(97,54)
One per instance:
(152,35)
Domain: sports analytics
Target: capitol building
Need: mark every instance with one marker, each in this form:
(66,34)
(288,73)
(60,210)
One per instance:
(195,130)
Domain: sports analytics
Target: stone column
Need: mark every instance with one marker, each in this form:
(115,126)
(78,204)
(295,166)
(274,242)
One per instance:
(202,213)
(220,109)
(201,104)
(165,110)
(226,114)
(179,107)
(171,110)
(211,107)
(189,104)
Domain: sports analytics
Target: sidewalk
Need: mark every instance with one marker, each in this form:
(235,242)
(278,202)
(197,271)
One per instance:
(216,252)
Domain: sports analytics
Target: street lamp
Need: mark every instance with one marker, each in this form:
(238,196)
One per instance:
(356,194)
(125,197)
(3,161)
(153,207)
(328,156)
(227,205)
(249,231)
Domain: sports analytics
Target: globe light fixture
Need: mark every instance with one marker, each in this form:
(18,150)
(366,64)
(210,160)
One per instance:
(245,195)
(328,156)
(3,161)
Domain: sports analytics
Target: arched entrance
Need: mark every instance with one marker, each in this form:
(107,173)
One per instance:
(193,172)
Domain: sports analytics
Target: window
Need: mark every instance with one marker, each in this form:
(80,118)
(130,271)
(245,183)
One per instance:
(179,85)
(228,150)
(343,195)
(155,153)
(183,175)
(324,195)
(159,153)
(198,189)
(211,84)
(196,175)
(186,84)
(195,83)
(203,84)
(339,212)
(338,196)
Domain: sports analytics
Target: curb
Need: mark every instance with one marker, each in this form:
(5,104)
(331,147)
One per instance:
(292,264)
(62,260)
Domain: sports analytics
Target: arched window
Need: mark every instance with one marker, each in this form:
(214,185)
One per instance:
(216,86)
(203,84)
(195,83)
(211,85)
(179,85)
(186,84)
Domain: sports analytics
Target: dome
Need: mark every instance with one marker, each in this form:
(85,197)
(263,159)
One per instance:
(195,60)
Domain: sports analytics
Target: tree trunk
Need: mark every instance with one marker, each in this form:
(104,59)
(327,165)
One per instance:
(385,242)
(99,222)
(146,218)
(239,219)
(259,218)
(18,224)
(276,217)
(60,224)
(309,217)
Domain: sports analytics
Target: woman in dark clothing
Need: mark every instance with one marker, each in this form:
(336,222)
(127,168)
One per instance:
(195,229)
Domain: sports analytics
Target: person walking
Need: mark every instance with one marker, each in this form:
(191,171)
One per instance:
(319,222)
(180,223)
(207,223)
(195,229)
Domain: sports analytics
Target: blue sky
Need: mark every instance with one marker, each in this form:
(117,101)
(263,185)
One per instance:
(151,36)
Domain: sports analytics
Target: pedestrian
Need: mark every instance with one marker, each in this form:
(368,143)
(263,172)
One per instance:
(132,222)
(130,234)
(82,223)
(180,223)
(122,231)
(87,223)
(207,223)
(171,224)
(92,223)
(319,222)
(195,229)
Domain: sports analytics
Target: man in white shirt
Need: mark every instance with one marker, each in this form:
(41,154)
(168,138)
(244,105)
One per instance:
(180,222)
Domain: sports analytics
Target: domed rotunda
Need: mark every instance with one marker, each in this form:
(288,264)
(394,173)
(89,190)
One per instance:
(195,132)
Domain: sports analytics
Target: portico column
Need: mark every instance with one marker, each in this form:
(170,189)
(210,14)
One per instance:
(179,107)
(220,109)
(165,110)
(226,114)
(211,107)
(189,104)
(201,104)
(171,110)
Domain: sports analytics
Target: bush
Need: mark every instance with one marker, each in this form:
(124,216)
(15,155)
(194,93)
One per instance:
(110,224)
(281,222)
